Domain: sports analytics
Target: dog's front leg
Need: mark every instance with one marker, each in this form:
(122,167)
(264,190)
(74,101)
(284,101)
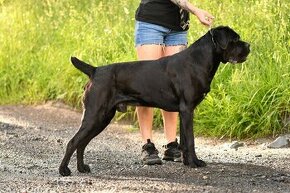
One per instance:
(187,140)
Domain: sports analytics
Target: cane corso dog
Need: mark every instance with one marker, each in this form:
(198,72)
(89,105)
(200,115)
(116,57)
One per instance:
(176,83)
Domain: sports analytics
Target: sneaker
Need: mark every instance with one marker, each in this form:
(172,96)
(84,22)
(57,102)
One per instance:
(150,154)
(172,152)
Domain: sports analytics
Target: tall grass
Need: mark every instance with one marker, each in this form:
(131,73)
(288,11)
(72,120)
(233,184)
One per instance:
(253,99)
(37,39)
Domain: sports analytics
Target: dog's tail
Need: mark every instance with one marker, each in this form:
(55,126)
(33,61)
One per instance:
(82,66)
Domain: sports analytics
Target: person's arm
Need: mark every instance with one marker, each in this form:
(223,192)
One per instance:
(203,16)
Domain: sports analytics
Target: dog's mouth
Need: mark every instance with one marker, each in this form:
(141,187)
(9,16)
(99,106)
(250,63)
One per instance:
(232,61)
(236,61)
(240,58)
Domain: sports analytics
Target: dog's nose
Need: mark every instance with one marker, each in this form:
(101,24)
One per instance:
(248,45)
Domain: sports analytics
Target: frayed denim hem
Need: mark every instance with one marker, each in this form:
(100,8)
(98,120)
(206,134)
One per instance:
(161,44)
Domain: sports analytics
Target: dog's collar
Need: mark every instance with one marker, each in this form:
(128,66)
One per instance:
(212,39)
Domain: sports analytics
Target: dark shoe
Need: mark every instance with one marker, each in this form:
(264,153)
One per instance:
(150,154)
(172,152)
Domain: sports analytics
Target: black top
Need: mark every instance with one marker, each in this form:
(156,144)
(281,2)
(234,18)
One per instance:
(164,13)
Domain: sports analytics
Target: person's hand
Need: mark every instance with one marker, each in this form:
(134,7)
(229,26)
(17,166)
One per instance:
(204,17)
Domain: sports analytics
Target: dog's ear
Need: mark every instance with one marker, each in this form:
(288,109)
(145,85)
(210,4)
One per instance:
(224,35)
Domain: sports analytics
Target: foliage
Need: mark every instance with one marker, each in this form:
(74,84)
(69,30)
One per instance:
(37,39)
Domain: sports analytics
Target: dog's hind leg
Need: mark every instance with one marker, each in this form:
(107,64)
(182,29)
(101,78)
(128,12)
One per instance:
(70,149)
(86,129)
(83,168)
(92,125)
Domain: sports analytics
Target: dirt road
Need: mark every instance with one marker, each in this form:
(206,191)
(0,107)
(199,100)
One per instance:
(33,140)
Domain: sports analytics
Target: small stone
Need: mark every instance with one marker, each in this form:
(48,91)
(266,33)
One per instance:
(235,145)
(280,142)
(222,170)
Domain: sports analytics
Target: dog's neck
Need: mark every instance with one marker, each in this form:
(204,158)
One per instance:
(213,70)
(210,66)
(213,67)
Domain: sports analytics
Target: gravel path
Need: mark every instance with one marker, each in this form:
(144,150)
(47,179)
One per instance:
(33,140)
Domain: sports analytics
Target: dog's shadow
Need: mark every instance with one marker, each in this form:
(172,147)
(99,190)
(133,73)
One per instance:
(215,176)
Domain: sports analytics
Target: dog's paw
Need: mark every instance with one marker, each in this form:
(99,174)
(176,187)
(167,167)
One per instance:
(200,163)
(84,169)
(185,162)
(197,163)
(64,171)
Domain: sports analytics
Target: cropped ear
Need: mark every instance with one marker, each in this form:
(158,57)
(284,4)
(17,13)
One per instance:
(224,35)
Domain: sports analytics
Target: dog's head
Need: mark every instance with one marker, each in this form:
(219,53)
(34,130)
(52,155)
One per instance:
(228,42)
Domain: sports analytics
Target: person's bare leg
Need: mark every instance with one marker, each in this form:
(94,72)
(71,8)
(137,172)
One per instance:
(170,118)
(145,114)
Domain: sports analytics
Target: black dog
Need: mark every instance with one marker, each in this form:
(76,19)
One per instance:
(175,83)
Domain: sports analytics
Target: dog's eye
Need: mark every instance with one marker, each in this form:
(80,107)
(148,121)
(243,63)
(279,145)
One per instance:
(237,39)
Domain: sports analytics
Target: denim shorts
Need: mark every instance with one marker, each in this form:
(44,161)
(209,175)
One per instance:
(147,33)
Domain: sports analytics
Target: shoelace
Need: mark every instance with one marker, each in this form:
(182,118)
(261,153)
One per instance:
(172,145)
(150,148)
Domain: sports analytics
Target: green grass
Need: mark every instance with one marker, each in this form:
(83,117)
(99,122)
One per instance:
(37,39)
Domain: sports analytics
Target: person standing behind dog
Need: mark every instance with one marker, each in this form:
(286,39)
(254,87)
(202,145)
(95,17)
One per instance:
(161,30)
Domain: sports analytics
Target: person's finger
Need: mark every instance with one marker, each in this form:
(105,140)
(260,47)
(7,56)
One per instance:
(206,22)
(209,19)
(210,16)
(207,14)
